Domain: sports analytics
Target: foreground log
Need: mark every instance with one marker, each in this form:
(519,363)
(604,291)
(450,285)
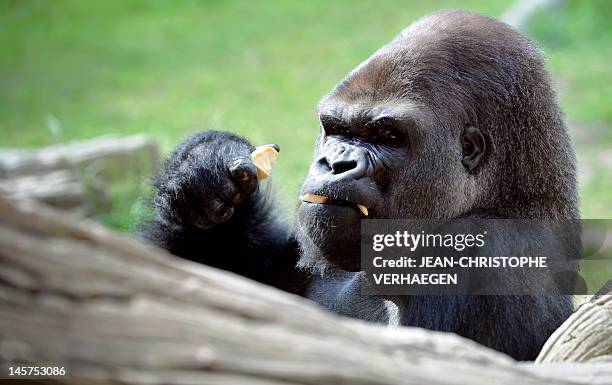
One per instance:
(114,310)
(585,336)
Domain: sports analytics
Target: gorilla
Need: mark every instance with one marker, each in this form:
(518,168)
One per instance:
(454,118)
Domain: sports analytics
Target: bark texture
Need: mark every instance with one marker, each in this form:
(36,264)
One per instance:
(116,310)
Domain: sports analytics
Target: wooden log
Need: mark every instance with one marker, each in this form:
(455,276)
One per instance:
(61,188)
(585,336)
(116,310)
(72,176)
(77,155)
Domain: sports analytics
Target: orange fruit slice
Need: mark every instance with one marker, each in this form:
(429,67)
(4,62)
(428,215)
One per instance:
(263,158)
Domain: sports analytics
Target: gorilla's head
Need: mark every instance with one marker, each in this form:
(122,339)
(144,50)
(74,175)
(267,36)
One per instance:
(454,117)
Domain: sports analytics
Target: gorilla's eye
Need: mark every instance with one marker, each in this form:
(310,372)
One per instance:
(343,130)
(390,135)
(339,129)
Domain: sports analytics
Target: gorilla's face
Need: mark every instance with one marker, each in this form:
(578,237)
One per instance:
(396,151)
(355,164)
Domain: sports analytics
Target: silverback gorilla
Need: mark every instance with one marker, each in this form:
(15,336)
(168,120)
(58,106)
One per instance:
(454,118)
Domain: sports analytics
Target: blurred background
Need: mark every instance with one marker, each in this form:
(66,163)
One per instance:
(76,70)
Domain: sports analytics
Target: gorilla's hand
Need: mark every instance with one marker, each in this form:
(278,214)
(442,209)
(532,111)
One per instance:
(211,210)
(205,179)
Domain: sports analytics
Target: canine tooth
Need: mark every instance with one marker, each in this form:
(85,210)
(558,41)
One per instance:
(312,198)
(363,209)
(263,158)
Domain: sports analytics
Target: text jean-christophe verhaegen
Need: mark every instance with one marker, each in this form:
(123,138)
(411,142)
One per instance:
(406,241)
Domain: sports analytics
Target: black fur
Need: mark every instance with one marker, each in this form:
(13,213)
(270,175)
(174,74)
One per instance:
(453,118)
(254,243)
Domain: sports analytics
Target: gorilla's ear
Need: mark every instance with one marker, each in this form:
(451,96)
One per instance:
(474,146)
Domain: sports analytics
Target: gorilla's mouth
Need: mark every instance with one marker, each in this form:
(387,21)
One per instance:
(320,199)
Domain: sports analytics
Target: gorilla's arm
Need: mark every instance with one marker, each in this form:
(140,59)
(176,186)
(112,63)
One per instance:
(210,209)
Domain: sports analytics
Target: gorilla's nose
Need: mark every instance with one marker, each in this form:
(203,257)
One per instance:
(340,166)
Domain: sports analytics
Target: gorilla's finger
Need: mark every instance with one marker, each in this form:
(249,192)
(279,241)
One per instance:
(245,174)
(217,211)
(203,223)
(230,193)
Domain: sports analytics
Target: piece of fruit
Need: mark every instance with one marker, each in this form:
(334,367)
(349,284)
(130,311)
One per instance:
(263,158)
(363,209)
(312,198)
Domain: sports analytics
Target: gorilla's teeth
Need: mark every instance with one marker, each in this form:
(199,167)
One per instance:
(263,158)
(312,198)
(363,209)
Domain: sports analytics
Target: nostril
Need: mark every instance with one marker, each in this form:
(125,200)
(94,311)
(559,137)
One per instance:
(341,166)
(324,164)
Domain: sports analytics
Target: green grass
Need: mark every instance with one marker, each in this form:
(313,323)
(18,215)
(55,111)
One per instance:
(172,68)
(577,39)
